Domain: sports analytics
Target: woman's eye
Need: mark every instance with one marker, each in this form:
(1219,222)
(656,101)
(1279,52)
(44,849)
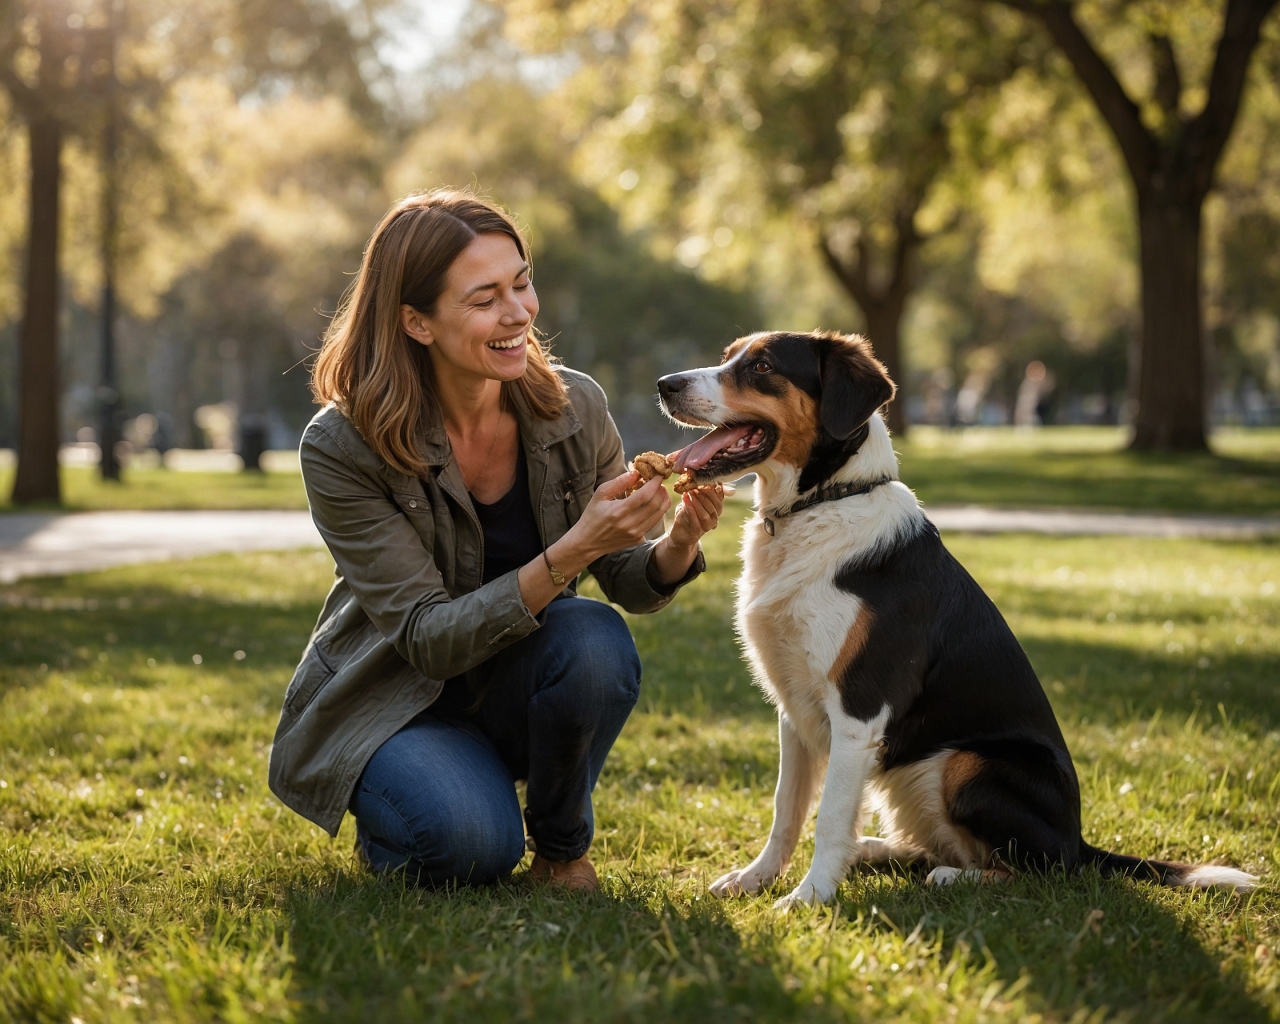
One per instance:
(485,304)
(761,366)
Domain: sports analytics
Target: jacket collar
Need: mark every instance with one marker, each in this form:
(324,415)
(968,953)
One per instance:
(537,434)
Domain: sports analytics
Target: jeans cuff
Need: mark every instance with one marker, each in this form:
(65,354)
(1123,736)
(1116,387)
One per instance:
(563,851)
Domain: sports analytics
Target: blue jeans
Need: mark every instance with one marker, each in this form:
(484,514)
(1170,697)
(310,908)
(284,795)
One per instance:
(438,798)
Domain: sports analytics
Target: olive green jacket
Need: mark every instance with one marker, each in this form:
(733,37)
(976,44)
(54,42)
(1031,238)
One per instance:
(408,610)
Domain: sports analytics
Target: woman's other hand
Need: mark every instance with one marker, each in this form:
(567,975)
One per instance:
(699,512)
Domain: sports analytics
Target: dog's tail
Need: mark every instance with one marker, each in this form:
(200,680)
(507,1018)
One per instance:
(1194,876)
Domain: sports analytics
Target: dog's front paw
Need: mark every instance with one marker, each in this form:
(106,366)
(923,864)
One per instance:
(807,893)
(743,881)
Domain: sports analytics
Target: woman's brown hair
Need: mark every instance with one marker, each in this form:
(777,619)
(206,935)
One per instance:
(380,377)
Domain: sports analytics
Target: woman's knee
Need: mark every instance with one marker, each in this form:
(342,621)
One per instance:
(436,801)
(600,654)
(479,843)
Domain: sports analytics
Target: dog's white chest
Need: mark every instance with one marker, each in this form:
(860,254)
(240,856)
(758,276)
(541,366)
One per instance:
(794,620)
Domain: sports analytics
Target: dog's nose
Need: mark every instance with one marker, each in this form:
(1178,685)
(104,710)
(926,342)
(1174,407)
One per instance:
(671,384)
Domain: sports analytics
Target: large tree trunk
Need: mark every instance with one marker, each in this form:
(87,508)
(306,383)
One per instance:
(882,304)
(1171,398)
(38,427)
(884,321)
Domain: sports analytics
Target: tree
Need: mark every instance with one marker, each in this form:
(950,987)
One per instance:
(53,64)
(846,109)
(1172,155)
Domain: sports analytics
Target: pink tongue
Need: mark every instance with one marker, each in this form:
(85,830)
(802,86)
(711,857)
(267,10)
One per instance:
(698,454)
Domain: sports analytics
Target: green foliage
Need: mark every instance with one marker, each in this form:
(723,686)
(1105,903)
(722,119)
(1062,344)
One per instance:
(609,306)
(147,874)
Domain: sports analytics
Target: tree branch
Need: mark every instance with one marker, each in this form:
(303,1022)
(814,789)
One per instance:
(853,278)
(1113,103)
(1207,134)
(1168,90)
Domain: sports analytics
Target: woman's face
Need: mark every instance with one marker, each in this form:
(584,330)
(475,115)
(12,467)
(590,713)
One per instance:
(481,322)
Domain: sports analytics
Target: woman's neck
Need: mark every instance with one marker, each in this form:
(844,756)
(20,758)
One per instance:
(468,403)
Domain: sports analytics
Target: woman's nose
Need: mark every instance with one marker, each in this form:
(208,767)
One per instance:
(515,313)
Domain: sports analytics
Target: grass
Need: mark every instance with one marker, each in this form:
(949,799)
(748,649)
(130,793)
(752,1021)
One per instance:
(1062,467)
(83,490)
(146,873)
(1087,467)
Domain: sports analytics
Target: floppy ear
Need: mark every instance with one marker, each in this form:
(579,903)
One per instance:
(854,385)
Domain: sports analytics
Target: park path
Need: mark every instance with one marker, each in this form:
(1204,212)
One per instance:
(53,544)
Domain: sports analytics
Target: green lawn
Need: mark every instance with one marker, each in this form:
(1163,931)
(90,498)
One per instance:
(84,489)
(1087,467)
(146,873)
(1063,467)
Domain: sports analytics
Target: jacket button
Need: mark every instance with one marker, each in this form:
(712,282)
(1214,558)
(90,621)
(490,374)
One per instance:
(413,504)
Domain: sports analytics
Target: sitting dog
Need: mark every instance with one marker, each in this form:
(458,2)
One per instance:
(887,662)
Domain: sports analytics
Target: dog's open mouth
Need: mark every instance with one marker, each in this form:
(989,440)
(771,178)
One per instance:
(726,450)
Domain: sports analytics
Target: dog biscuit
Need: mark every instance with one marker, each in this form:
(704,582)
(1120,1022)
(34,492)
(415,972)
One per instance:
(651,464)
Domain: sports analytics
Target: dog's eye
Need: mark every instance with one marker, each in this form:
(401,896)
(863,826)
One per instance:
(761,366)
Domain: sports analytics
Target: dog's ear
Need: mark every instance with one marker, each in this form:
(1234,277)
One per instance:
(854,385)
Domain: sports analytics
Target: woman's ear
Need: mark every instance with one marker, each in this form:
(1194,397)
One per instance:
(854,385)
(414,324)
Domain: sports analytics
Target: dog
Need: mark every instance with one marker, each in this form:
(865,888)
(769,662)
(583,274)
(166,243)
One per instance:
(894,675)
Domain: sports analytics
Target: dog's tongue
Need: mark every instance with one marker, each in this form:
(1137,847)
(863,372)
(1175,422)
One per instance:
(698,454)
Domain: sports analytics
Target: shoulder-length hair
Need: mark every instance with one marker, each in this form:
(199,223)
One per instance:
(380,377)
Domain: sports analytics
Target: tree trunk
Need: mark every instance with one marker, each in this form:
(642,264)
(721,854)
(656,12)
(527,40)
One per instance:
(884,321)
(38,426)
(1171,398)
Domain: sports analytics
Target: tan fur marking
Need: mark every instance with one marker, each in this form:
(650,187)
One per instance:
(794,413)
(855,640)
(961,767)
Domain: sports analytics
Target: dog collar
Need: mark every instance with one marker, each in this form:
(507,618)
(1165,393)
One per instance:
(832,493)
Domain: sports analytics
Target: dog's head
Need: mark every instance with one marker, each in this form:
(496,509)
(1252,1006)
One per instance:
(800,400)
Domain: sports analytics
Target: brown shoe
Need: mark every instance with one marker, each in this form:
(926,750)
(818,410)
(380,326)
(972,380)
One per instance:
(574,876)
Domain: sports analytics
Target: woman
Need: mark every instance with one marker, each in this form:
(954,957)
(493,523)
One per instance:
(462,482)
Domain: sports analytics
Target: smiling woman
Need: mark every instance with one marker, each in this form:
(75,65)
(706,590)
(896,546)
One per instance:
(462,482)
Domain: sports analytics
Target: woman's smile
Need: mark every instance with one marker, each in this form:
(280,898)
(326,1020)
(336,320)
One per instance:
(514,344)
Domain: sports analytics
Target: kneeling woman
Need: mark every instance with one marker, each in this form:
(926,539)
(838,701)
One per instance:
(462,483)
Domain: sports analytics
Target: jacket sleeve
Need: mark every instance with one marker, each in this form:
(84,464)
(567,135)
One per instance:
(628,577)
(395,578)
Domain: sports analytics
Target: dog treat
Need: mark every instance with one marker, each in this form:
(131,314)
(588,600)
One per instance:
(651,464)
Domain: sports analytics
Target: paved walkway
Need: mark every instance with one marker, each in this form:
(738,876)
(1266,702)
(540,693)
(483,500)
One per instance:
(52,544)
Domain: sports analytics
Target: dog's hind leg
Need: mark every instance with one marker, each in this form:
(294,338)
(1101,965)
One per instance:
(1020,800)
(855,746)
(876,850)
(797,776)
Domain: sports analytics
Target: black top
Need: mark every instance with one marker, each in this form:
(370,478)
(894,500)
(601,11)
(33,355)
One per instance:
(510,530)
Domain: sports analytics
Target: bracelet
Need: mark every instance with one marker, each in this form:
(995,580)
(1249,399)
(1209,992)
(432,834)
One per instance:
(557,577)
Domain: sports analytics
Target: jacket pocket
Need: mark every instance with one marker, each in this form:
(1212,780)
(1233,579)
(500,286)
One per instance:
(311,674)
(575,492)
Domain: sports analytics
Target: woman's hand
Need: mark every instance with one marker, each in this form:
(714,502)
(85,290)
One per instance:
(698,513)
(609,523)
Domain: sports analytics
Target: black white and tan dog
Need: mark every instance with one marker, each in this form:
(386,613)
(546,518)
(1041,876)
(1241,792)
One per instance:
(889,666)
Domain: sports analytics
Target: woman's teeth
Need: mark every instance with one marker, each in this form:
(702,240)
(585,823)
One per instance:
(509,343)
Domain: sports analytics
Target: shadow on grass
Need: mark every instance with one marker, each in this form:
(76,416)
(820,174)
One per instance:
(1079,942)
(1113,684)
(371,949)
